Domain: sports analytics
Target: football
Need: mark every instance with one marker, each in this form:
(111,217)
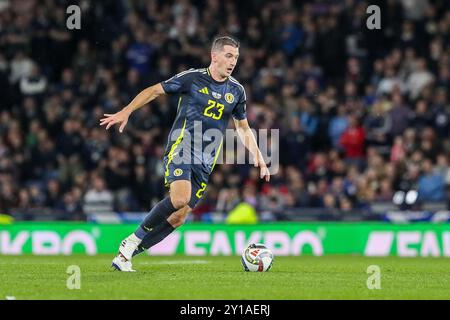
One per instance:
(257,258)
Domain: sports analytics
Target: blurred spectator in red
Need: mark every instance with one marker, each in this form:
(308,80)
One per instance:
(353,139)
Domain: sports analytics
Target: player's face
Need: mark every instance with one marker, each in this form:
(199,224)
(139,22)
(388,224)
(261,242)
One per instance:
(226,60)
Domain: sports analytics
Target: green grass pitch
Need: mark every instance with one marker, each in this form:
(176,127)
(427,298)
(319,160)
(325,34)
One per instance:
(180,277)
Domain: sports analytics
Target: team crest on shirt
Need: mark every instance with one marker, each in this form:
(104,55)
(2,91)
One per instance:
(216,95)
(177,172)
(229,97)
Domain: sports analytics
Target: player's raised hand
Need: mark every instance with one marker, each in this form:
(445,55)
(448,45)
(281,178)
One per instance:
(120,117)
(264,172)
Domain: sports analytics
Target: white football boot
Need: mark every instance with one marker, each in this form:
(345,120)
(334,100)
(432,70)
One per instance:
(122,261)
(128,245)
(121,264)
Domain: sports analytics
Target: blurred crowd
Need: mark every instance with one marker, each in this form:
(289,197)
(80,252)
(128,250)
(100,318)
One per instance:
(362,113)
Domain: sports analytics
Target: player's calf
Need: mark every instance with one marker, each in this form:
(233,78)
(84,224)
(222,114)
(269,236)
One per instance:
(159,213)
(162,230)
(178,218)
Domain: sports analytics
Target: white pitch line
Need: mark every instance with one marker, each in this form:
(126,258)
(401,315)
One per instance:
(177,262)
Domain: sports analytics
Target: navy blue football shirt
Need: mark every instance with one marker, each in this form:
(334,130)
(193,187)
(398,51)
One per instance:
(203,104)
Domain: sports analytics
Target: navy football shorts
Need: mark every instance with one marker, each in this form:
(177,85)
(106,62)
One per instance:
(195,173)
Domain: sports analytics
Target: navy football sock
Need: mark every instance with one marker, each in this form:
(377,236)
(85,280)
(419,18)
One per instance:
(159,213)
(154,236)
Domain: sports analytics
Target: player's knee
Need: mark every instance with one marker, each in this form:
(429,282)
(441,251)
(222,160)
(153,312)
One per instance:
(180,200)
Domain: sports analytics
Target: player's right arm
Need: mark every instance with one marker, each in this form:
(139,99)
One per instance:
(179,83)
(145,96)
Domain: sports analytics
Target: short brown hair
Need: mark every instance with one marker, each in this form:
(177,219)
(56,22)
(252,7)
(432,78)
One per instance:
(219,42)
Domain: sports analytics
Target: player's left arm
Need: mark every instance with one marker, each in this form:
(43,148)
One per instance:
(248,139)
